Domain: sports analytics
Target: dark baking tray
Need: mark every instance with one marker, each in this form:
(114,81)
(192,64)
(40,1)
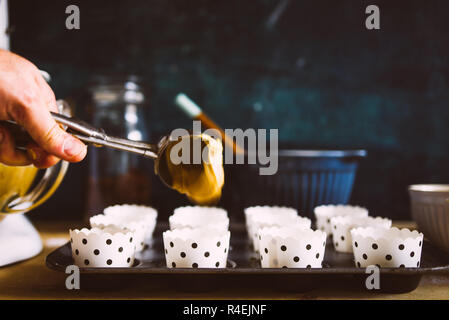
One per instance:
(244,270)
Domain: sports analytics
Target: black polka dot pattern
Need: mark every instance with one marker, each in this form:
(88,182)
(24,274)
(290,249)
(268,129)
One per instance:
(106,251)
(387,254)
(342,240)
(291,254)
(193,254)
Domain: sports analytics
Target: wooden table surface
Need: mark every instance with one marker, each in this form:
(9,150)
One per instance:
(31,279)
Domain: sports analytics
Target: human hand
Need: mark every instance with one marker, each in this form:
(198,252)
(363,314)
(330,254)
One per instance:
(26,98)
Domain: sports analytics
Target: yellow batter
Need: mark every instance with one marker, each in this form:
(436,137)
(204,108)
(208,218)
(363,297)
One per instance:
(202,183)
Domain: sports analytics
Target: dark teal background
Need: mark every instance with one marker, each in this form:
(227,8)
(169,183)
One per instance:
(317,74)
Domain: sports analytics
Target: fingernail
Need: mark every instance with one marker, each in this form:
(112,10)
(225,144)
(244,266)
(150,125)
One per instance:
(32,154)
(72,147)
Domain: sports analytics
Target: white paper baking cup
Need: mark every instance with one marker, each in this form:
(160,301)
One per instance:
(291,247)
(199,217)
(342,225)
(196,248)
(273,220)
(255,211)
(139,229)
(389,248)
(323,215)
(144,215)
(98,248)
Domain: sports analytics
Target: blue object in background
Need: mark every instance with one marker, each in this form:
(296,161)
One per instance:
(305,179)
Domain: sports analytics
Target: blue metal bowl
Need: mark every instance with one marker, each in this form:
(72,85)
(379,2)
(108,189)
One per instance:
(305,179)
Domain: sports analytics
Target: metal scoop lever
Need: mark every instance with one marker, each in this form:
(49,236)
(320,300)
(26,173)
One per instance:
(88,134)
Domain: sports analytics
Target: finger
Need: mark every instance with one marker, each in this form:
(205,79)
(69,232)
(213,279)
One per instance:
(47,93)
(40,158)
(9,155)
(47,133)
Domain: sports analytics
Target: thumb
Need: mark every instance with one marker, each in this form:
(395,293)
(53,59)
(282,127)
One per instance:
(49,135)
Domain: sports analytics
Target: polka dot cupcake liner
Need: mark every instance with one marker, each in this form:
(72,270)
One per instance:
(99,248)
(199,217)
(271,220)
(323,215)
(143,215)
(196,248)
(256,211)
(291,247)
(342,225)
(388,248)
(139,230)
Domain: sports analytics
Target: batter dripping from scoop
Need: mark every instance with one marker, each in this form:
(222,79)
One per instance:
(201,182)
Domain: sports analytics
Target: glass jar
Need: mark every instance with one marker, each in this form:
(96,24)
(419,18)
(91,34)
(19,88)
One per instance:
(119,106)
